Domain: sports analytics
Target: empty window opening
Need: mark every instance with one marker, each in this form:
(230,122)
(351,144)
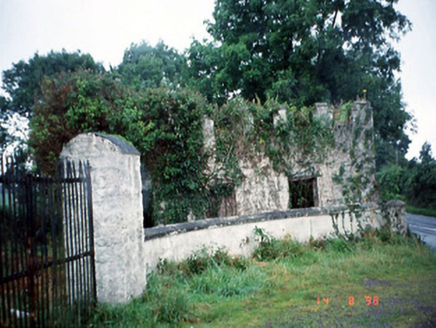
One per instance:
(302,193)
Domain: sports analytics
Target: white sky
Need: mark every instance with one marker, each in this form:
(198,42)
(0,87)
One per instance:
(105,28)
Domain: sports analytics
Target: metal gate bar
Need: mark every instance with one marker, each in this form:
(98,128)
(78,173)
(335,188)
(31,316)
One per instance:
(47,269)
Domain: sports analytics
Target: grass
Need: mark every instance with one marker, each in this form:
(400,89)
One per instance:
(421,211)
(287,284)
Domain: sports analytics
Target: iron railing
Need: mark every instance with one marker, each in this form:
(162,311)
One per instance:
(47,270)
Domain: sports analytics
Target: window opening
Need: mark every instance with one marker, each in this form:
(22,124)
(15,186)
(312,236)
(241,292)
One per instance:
(302,192)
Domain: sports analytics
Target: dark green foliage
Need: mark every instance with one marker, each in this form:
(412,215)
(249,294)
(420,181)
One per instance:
(163,124)
(23,81)
(413,181)
(72,103)
(200,261)
(274,249)
(146,66)
(420,180)
(171,145)
(306,51)
(389,179)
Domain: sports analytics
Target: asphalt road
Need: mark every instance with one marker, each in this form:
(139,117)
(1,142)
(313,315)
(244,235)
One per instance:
(425,226)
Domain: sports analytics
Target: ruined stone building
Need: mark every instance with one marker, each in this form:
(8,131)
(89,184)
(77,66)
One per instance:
(346,173)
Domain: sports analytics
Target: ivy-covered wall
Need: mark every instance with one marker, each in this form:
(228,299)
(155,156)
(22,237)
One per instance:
(248,156)
(348,174)
(333,154)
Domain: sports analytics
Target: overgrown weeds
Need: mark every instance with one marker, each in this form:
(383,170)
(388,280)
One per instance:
(213,288)
(202,260)
(274,249)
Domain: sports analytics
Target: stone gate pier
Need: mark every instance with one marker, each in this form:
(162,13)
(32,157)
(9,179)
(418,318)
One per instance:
(117,213)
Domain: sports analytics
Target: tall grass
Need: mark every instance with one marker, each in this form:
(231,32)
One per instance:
(283,280)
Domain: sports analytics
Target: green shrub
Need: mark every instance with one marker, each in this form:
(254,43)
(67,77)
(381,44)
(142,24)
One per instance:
(164,125)
(200,261)
(272,249)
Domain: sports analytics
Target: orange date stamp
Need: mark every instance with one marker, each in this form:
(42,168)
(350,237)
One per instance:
(351,300)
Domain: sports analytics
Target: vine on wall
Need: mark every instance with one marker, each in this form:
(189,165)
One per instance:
(358,145)
(166,127)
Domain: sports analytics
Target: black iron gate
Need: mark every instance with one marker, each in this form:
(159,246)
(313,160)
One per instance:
(47,270)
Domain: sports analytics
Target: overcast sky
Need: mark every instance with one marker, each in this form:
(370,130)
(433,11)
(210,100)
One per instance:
(105,28)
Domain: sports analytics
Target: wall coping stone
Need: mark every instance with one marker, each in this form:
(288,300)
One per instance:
(123,146)
(395,203)
(177,228)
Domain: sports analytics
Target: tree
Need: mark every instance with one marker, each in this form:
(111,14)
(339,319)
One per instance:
(165,125)
(22,82)
(423,182)
(147,66)
(425,154)
(307,51)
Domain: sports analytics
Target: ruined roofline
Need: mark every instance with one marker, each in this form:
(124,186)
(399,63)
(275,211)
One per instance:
(359,111)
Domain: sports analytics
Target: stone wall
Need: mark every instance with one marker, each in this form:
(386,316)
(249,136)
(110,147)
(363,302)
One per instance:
(235,235)
(347,171)
(350,164)
(117,212)
(394,216)
(262,189)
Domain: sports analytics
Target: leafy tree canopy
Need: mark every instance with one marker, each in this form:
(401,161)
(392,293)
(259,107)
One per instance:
(147,66)
(22,82)
(413,181)
(425,155)
(306,51)
(164,125)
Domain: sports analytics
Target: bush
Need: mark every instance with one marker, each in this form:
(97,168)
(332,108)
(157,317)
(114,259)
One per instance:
(202,260)
(273,249)
(164,125)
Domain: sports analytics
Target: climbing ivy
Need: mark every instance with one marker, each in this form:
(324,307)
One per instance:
(166,127)
(355,182)
(252,131)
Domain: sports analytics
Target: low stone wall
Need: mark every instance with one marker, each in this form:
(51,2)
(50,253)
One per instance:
(177,242)
(236,234)
(394,215)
